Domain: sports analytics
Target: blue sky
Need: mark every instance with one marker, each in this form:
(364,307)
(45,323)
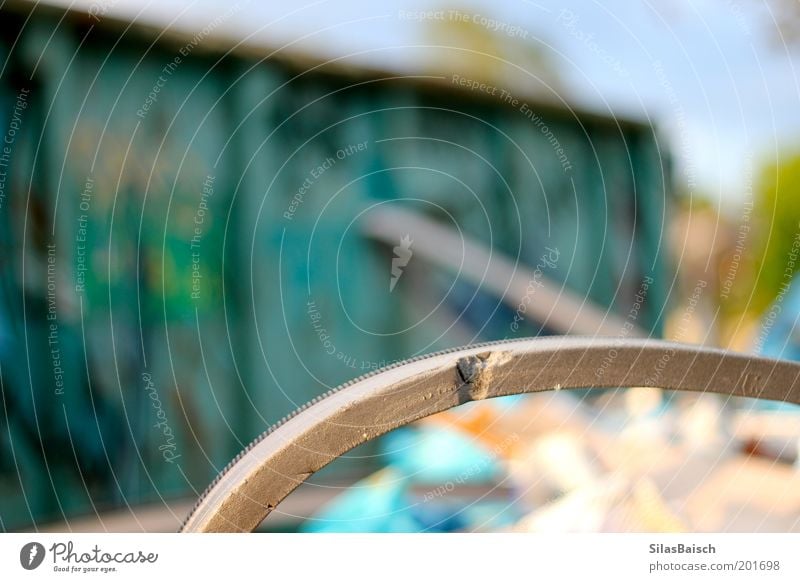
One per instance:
(725,98)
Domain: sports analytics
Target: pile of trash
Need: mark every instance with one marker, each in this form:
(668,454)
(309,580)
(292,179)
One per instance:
(583,461)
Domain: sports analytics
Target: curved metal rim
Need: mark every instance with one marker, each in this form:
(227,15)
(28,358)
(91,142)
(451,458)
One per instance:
(257,481)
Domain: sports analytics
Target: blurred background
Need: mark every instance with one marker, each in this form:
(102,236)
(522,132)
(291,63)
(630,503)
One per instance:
(211,213)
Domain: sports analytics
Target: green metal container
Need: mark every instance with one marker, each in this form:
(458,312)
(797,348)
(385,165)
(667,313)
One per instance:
(180,254)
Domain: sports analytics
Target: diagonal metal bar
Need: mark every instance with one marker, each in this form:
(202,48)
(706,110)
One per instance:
(554,305)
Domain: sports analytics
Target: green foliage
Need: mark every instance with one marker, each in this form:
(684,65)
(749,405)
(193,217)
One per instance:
(776,217)
(489,50)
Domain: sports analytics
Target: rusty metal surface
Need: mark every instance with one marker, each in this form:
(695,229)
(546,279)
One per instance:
(287,454)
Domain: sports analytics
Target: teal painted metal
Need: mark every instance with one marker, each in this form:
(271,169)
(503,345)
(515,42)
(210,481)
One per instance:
(188,283)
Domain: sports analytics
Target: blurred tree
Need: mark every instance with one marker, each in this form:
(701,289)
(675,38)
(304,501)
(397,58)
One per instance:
(492,51)
(752,254)
(786,17)
(776,218)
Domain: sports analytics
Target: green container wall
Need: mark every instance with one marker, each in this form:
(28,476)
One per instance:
(140,355)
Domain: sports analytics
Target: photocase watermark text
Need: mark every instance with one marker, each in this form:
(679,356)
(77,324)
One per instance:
(627,327)
(14,126)
(569,20)
(200,218)
(169,69)
(317,172)
(168,447)
(53,342)
(548,260)
(487,22)
(81,235)
(524,108)
(402,255)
